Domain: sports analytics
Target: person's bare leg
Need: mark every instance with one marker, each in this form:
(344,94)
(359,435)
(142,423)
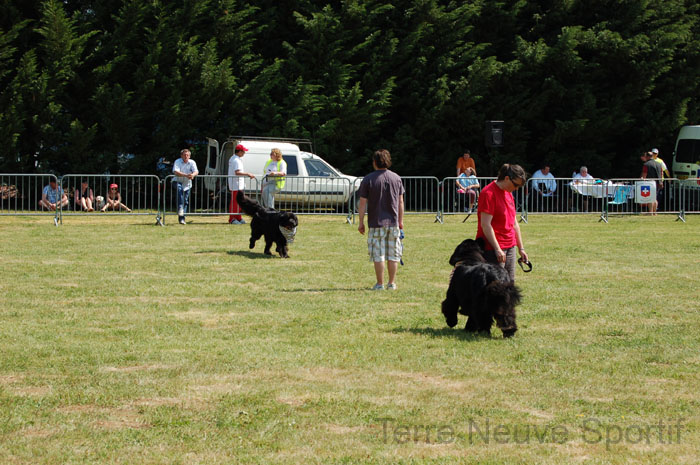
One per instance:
(379,271)
(392,266)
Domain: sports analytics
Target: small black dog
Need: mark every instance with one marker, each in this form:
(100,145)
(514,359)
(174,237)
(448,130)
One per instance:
(483,290)
(277,227)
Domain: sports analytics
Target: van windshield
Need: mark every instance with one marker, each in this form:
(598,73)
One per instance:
(688,151)
(318,168)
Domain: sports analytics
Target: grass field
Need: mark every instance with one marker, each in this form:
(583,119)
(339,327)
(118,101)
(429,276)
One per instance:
(127,343)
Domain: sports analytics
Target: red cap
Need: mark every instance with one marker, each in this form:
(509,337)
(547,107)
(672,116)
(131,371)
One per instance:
(113,186)
(240,147)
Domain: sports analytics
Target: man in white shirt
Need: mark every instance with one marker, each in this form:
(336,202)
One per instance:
(185,169)
(543,182)
(544,188)
(236,183)
(582,177)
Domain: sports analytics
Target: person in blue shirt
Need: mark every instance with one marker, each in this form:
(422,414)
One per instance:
(468,184)
(52,195)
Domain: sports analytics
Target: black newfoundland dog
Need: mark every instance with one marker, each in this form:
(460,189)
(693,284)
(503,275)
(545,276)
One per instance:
(482,290)
(277,227)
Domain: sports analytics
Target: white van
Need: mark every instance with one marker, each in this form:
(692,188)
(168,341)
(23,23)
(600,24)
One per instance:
(311,181)
(686,156)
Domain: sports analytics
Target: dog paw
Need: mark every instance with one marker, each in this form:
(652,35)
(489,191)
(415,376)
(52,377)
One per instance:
(451,321)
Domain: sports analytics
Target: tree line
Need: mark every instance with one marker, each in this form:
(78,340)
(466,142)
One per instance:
(89,86)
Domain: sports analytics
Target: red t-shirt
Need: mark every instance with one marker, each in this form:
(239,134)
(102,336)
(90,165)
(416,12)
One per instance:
(501,205)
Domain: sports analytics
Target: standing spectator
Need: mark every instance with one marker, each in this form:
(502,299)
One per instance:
(464,162)
(651,170)
(236,183)
(84,197)
(113,201)
(275,177)
(52,195)
(663,170)
(185,169)
(381,196)
(659,160)
(497,223)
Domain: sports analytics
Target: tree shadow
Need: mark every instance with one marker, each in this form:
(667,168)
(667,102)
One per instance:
(458,333)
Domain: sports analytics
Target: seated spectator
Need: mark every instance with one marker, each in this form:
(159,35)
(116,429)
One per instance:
(52,195)
(543,182)
(544,190)
(582,177)
(84,197)
(467,184)
(113,201)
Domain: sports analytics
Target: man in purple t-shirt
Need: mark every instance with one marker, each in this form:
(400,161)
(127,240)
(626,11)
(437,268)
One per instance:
(381,196)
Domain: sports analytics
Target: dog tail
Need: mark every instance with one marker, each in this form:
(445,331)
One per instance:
(248,205)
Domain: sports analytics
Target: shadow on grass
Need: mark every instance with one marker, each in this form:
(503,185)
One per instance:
(325,289)
(240,253)
(251,255)
(458,333)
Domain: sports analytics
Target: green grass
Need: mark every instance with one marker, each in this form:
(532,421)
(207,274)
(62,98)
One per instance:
(128,343)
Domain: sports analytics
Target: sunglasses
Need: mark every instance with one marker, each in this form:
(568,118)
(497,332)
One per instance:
(517,186)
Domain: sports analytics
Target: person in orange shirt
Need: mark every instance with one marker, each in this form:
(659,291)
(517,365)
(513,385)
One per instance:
(464,162)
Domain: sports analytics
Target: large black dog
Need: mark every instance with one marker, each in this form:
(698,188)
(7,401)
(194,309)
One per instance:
(277,227)
(482,290)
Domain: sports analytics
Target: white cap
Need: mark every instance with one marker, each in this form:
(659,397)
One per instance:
(654,150)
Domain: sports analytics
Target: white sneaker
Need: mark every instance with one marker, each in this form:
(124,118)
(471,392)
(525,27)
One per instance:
(235,222)
(181,212)
(391,286)
(378,287)
(241,222)
(182,221)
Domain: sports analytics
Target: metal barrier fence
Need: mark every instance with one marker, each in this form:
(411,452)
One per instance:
(460,196)
(318,195)
(422,196)
(209,195)
(93,194)
(21,194)
(629,196)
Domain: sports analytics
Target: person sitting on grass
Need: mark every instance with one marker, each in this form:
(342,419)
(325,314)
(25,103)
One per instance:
(50,197)
(113,201)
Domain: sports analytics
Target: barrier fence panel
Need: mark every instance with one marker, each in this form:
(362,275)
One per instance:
(95,194)
(21,194)
(460,195)
(209,195)
(318,195)
(422,195)
(634,196)
(688,192)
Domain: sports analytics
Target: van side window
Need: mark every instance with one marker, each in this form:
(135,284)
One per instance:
(688,151)
(292,167)
(212,157)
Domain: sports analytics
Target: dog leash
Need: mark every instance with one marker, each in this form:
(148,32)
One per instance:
(524,264)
